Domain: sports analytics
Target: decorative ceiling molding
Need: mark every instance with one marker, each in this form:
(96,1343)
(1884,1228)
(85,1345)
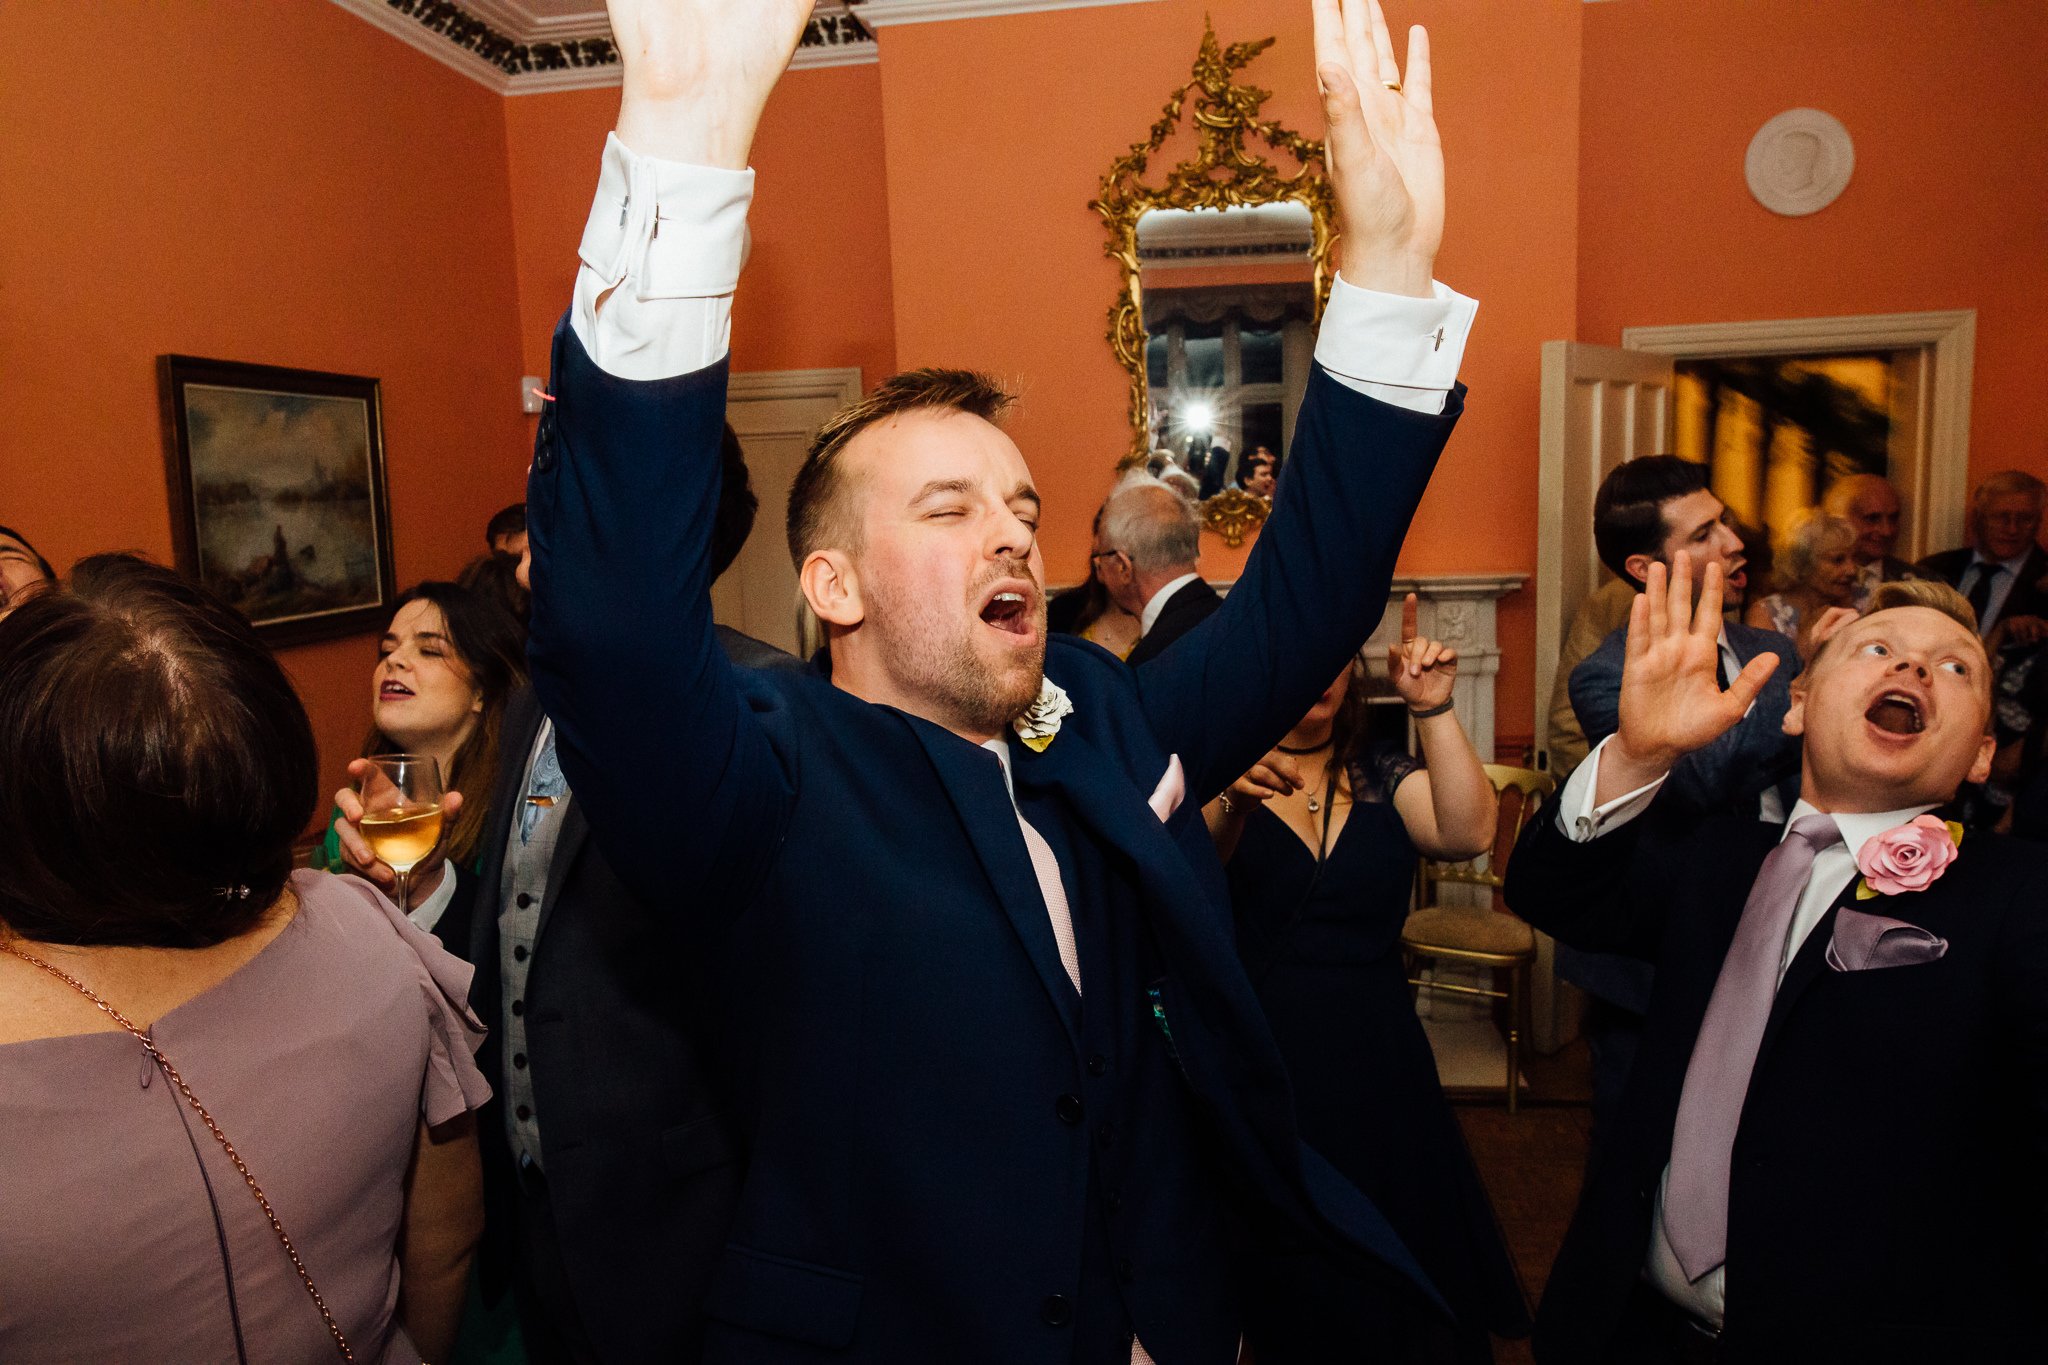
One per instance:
(565,51)
(883,13)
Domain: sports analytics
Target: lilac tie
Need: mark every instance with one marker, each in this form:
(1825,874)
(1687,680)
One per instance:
(1717,1079)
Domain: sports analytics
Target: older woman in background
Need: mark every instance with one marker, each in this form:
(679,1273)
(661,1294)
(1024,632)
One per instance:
(235,1100)
(1816,573)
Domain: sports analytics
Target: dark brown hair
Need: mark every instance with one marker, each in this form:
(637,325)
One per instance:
(1628,509)
(816,518)
(490,644)
(49,574)
(155,764)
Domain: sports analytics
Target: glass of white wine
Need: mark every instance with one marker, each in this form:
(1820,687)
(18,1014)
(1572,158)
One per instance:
(401,796)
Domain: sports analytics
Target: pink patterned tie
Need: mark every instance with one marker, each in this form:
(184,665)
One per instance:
(1055,892)
(1724,1055)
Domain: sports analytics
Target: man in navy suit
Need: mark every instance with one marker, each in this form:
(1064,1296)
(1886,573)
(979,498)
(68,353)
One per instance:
(1645,512)
(1006,1092)
(1832,1146)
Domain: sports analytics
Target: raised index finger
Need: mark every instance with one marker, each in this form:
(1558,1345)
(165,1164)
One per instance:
(1409,611)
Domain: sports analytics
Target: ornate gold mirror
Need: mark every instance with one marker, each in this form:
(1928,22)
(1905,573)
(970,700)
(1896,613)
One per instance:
(1227,265)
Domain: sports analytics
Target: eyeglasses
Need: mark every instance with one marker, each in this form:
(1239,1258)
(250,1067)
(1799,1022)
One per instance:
(1104,554)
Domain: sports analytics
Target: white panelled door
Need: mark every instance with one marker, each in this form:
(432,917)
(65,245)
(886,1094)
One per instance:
(775,413)
(1601,406)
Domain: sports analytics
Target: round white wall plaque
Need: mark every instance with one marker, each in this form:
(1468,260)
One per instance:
(1799,162)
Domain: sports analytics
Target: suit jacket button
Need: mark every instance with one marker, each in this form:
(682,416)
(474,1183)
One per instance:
(1097,1065)
(523,900)
(519,952)
(1055,1311)
(1069,1108)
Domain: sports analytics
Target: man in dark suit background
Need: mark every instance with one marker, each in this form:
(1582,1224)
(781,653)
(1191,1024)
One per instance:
(1147,554)
(2002,572)
(608,1231)
(1003,1079)
(1831,1149)
(1645,512)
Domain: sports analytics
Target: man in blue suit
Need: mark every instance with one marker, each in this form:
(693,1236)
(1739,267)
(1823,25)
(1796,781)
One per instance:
(1007,1094)
(1645,512)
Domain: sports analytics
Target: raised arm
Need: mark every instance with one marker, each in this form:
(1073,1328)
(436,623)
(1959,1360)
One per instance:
(1377,413)
(678,775)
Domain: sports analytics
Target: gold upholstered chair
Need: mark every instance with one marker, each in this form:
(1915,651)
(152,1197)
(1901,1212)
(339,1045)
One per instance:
(1485,935)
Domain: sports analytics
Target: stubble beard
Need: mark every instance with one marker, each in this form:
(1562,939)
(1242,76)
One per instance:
(942,665)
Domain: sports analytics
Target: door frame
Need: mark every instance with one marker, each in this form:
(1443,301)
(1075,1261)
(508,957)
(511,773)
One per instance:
(1939,486)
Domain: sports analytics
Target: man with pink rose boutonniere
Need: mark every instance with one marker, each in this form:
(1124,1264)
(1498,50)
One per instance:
(1833,1143)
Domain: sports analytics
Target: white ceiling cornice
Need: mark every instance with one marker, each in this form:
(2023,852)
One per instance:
(570,50)
(523,47)
(883,13)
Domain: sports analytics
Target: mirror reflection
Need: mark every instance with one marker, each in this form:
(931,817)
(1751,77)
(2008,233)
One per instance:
(1229,302)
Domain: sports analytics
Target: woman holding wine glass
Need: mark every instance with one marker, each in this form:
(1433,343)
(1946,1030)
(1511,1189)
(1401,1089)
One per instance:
(445,669)
(236,1101)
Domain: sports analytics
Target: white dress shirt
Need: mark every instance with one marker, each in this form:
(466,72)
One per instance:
(1833,869)
(1149,617)
(665,241)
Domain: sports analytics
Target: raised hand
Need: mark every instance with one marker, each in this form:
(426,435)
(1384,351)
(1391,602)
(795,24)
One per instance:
(698,73)
(1671,703)
(1382,148)
(1422,670)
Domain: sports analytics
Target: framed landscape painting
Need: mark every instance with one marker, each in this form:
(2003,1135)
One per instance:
(277,494)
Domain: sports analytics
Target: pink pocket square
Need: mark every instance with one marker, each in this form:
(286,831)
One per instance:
(1172,789)
(1865,942)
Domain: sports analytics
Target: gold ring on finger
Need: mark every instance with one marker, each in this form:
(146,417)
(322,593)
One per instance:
(1394,86)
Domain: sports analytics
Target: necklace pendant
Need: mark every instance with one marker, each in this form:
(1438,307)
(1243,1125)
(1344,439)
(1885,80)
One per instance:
(1314,805)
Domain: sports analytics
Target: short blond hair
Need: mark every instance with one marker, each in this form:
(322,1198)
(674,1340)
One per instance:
(1924,592)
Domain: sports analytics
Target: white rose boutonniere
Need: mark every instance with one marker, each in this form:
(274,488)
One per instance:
(1037,726)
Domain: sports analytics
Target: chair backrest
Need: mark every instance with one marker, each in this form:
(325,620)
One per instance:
(1521,793)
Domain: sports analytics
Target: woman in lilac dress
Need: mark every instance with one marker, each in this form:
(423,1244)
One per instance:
(169,987)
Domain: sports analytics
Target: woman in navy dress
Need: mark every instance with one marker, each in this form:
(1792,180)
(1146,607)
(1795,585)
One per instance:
(1320,842)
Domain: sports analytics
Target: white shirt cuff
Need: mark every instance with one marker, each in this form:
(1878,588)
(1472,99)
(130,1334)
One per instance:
(1581,820)
(428,912)
(1400,350)
(661,254)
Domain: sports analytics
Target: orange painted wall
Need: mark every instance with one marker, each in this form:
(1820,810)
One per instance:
(1948,207)
(999,131)
(816,291)
(254,181)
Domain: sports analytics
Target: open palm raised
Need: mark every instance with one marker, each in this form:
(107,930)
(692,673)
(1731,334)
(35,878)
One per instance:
(1671,701)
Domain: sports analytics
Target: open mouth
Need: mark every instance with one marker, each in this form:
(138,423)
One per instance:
(392,691)
(1009,612)
(1896,713)
(1737,578)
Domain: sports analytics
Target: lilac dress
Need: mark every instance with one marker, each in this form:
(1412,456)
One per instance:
(319,1057)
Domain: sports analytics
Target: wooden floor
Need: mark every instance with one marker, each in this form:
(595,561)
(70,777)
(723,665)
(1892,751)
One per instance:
(1532,1162)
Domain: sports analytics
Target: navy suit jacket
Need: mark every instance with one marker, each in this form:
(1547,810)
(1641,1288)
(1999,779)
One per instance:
(952,1155)
(1887,1203)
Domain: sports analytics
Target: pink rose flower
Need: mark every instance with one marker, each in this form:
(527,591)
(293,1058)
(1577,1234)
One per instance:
(1908,857)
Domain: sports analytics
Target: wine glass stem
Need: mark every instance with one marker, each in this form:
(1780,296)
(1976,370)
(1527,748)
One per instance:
(404,890)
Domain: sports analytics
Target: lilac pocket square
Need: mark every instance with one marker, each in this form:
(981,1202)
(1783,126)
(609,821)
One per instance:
(1864,942)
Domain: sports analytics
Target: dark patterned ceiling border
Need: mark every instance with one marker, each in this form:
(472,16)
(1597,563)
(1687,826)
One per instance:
(507,54)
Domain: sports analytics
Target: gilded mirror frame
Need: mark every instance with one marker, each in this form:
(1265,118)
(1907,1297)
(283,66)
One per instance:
(1225,172)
